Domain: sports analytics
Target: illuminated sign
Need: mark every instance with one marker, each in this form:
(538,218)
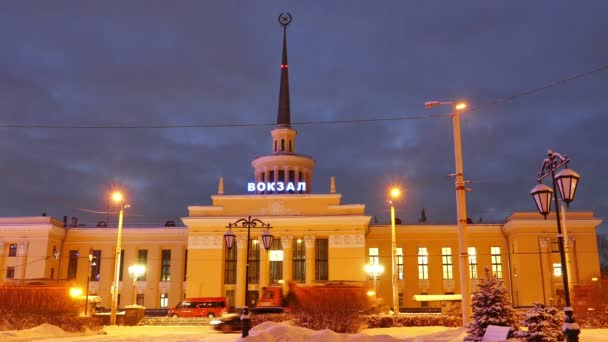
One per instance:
(275,255)
(276,187)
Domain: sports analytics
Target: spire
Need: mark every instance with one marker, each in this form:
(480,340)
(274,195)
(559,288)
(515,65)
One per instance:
(284,114)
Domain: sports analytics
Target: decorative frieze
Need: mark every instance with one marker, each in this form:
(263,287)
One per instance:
(205,242)
(164,286)
(22,248)
(309,241)
(346,241)
(286,241)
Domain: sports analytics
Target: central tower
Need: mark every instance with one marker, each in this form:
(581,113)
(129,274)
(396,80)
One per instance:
(284,165)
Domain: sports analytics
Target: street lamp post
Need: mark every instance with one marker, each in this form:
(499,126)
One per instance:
(461,207)
(86,299)
(374,270)
(566,181)
(395,193)
(135,271)
(117,197)
(229,238)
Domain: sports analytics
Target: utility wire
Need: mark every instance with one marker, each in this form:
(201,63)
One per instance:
(320,122)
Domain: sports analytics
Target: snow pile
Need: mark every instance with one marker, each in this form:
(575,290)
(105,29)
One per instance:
(41,331)
(281,332)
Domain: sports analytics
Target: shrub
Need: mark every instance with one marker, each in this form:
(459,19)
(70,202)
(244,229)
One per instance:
(412,320)
(544,324)
(334,307)
(24,307)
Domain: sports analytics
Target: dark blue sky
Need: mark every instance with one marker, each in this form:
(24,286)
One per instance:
(202,62)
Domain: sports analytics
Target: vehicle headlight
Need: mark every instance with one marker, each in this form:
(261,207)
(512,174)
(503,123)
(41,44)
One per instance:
(215,322)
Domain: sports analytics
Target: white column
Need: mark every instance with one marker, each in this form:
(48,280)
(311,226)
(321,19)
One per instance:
(241,260)
(286,243)
(310,259)
(21,260)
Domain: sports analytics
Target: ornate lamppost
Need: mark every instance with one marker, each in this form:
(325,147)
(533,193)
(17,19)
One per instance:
(86,299)
(374,270)
(230,238)
(566,181)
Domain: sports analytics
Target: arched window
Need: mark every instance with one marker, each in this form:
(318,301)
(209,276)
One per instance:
(282,144)
(275,145)
(289,145)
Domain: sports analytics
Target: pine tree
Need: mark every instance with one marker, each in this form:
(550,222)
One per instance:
(544,324)
(422,218)
(490,306)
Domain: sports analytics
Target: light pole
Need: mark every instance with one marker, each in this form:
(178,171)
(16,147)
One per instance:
(566,181)
(86,300)
(135,271)
(461,207)
(374,270)
(117,197)
(395,193)
(230,238)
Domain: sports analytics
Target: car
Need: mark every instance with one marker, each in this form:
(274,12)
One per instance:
(228,323)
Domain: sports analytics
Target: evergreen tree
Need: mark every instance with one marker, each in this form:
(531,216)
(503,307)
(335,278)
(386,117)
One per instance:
(490,306)
(544,324)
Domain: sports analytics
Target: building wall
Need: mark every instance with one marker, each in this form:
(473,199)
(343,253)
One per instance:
(525,240)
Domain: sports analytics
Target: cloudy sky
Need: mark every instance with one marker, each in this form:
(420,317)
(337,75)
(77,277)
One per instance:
(138,63)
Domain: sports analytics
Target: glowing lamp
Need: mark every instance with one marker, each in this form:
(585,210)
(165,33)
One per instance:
(230,238)
(567,182)
(461,106)
(117,197)
(267,238)
(542,197)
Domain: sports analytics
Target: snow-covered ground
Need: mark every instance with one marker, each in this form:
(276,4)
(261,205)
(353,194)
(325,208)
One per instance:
(267,332)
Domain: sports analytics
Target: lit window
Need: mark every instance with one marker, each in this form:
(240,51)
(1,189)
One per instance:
(496,262)
(12,250)
(423,263)
(164,300)
(400,272)
(472,262)
(374,257)
(557,270)
(446,258)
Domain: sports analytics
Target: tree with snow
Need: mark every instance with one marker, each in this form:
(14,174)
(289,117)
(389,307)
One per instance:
(544,324)
(491,306)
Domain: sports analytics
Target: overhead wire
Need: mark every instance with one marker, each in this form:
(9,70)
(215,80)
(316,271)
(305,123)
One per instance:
(494,102)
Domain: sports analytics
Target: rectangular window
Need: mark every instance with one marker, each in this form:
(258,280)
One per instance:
(142,259)
(423,263)
(299,261)
(400,270)
(10,273)
(554,246)
(557,270)
(276,261)
(122,264)
(72,264)
(254,262)
(321,259)
(496,262)
(374,257)
(446,259)
(96,265)
(281,175)
(12,250)
(164,300)
(472,251)
(140,299)
(230,264)
(165,267)
(186,266)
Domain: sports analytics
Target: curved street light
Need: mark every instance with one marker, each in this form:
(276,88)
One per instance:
(566,181)
(230,238)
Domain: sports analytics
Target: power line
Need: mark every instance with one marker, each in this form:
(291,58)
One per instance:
(494,102)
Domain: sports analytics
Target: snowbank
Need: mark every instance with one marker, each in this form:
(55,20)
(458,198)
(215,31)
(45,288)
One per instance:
(41,331)
(281,332)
